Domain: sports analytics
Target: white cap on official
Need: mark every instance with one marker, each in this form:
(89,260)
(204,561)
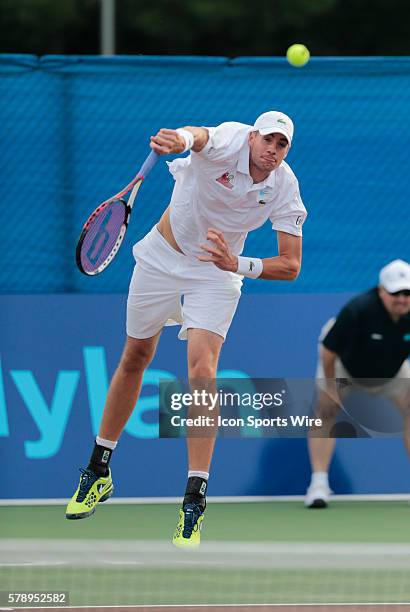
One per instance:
(273,122)
(395,276)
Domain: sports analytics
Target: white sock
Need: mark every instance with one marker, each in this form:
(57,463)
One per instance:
(204,475)
(106,443)
(320,479)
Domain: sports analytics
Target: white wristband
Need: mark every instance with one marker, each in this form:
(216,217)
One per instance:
(188,137)
(249,266)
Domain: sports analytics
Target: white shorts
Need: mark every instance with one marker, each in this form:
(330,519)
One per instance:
(391,388)
(163,276)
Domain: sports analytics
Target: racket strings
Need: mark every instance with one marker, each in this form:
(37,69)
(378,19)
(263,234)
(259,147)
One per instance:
(104,233)
(94,215)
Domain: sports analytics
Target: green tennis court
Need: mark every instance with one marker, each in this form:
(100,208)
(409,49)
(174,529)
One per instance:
(252,553)
(386,521)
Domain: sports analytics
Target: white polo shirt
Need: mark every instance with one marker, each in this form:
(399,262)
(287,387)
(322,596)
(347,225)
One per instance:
(213,188)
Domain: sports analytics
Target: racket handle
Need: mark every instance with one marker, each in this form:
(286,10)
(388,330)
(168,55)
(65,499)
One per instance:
(148,164)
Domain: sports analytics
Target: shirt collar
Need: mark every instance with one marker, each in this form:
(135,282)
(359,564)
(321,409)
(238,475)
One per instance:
(243,159)
(243,167)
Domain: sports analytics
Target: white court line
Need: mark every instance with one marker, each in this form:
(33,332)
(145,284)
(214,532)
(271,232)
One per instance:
(268,555)
(235,605)
(215,500)
(36,564)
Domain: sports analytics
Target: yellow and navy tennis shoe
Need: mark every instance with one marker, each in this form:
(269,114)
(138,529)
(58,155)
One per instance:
(188,531)
(91,490)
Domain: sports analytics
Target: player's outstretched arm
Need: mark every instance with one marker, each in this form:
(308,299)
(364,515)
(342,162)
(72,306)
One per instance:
(168,141)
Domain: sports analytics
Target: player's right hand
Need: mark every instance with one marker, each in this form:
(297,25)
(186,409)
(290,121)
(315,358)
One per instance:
(167,141)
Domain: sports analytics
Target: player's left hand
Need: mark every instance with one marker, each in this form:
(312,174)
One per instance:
(219,251)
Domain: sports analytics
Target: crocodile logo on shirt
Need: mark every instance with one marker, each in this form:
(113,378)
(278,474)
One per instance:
(226,180)
(262,195)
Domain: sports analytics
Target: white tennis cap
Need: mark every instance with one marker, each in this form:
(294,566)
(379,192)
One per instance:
(274,121)
(395,276)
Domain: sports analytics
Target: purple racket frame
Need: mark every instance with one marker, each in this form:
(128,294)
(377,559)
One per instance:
(104,211)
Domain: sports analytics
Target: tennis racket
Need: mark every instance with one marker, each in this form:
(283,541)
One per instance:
(105,228)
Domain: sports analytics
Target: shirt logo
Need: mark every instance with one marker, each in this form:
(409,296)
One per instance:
(376,337)
(251,266)
(262,196)
(299,220)
(226,180)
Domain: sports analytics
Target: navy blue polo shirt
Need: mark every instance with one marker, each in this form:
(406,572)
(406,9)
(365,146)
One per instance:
(366,339)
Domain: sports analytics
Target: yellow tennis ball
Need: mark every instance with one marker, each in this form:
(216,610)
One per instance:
(298,55)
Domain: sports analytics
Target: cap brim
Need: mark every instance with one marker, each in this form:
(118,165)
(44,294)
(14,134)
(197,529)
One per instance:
(399,286)
(274,130)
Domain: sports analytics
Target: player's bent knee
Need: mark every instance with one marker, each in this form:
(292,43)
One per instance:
(137,356)
(135,364)
(202,371)
(327,412)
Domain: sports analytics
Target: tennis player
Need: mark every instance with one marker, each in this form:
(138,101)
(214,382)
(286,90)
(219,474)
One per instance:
(367,346)
(233,180)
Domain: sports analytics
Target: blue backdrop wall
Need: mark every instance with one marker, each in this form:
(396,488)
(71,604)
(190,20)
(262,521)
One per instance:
(75,130)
